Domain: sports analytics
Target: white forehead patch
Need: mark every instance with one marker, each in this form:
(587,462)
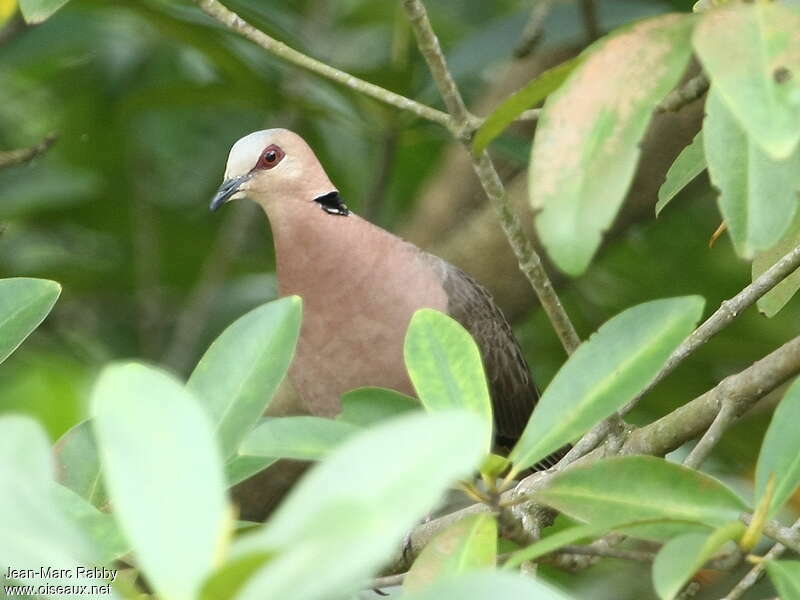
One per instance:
(244,153)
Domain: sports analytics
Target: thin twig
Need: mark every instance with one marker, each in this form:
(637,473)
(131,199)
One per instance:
(725,418)
(530,262)
(605,551)
(233,21)
(686,94)
(534,28)
(12,158)
(591,23)
(753,575)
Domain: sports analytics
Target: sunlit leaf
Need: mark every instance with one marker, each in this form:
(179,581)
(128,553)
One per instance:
(359,503)
(99,527)
(467,545)
(239,468)
(605,373)
(24,303)
(780,451)
(369,405)
(7,9)
(687,166)
(752,54)
(681,557)
(300,438)
(228,580)
(164,475)
(774,300)
(640,488)
(785,574)
(35,532)
(78,464)
(490,586)
(758,194)
(37,11)
(530,95)
(444,364)
(587,140)
(241,371)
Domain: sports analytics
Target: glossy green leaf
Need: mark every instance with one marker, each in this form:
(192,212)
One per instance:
(445,366)
(163,473)
(780,451)
(785,574)
(37,11)
(369,405)
(758,194)
(78,464)
(752,54)
(99,527)
(605,373)
(359,503)
(300,438)
(529,96)
(687,166)
(241,371)
(774,300)
(240,468)
(490,585)
(467,545)
(587,140)
(35,531)
(681,557)
(640,488)
(24,303)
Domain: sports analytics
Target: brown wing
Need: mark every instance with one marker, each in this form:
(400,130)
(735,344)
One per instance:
(511,385)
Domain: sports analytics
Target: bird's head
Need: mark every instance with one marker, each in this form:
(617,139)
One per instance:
(275,166)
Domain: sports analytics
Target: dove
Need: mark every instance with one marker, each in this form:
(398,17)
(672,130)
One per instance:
(360,286)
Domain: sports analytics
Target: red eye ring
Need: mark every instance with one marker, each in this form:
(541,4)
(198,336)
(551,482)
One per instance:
(270,157)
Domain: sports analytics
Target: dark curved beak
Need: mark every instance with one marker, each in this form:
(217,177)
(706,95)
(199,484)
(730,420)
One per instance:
(228,188)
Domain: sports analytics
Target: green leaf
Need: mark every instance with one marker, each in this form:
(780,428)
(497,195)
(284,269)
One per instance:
(758,194)
(587,140)
(100,527)
(300,438)
(774,300)
(641,488)
(78,464)
(24,303)
(752,54)
(359,503)
(369,405)
(785,574)
(681,557)
(445,366)
(37,11)
(226,582)
(780,451)
(490,585)
(688,165)
(534,92)
(35,532)
(164,475)
(605,373)
(467,545)
(241,371)
(240,468)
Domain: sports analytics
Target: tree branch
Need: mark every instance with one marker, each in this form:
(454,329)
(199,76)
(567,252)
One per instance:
(12,158)
(724,419)
(233,21)
(530,262)
(689,92)
(755,573)
(534,28)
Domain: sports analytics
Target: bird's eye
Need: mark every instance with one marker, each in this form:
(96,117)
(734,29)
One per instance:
(270,157)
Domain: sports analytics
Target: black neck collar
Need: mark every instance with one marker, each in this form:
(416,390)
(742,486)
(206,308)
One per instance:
(332,204)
